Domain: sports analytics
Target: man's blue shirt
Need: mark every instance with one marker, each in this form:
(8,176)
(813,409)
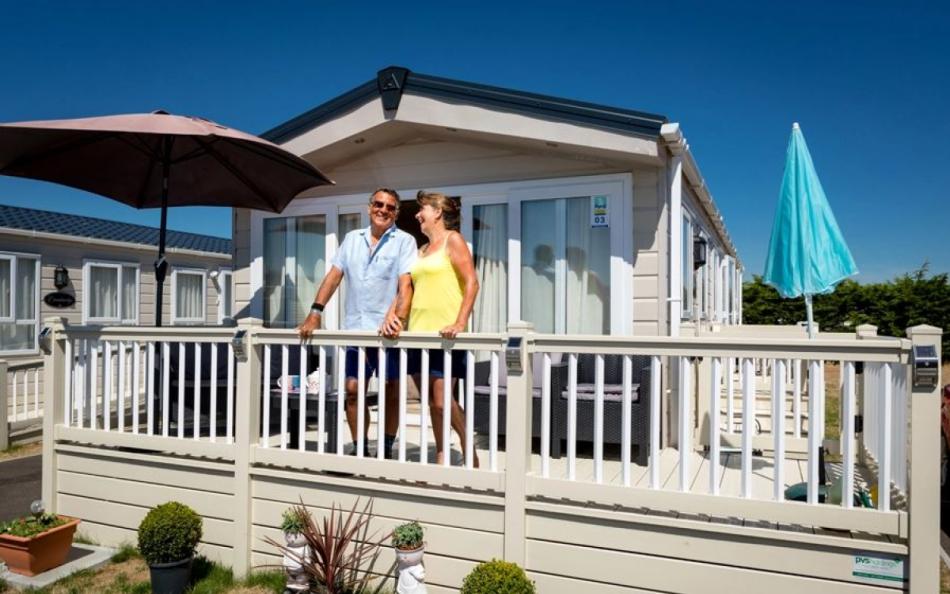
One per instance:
(372,275)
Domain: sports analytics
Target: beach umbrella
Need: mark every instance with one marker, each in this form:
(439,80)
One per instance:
(157,160)
(807,253)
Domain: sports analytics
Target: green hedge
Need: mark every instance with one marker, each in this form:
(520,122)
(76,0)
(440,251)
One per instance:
(893,306)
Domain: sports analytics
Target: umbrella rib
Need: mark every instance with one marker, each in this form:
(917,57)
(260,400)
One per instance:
(141,146)
(286,159)
(237,173)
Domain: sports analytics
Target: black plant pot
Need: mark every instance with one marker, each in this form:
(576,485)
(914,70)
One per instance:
(170,578)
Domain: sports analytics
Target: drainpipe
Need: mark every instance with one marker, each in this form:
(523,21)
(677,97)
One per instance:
(676,144)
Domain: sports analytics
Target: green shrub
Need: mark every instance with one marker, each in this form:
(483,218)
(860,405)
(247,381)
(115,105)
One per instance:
(293,520)
(170,532)
(408,536)
(497,576)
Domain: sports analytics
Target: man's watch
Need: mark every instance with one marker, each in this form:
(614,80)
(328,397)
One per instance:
(317,308)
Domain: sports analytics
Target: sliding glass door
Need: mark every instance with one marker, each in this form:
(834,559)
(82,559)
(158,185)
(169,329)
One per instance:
(565,266)
(294,262)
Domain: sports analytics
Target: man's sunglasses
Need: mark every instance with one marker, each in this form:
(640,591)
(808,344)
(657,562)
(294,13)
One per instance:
(380,205)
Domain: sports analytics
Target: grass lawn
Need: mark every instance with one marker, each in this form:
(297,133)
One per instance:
(128,574)
(21,451)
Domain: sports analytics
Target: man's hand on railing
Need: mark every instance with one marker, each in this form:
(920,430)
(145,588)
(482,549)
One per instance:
(391,326)
(313,322)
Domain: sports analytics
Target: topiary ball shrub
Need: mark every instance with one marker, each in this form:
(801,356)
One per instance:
(495,576)
(169,533)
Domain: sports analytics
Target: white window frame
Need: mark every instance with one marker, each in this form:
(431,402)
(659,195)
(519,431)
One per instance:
(330,208)
(204,296)
(13,257)
(224,272)
(87,317)
(618,186)
(687,276)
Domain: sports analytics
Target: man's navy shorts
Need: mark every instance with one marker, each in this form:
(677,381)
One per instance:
(371,363)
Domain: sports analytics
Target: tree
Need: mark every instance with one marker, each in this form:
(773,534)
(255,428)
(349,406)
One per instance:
(908,300)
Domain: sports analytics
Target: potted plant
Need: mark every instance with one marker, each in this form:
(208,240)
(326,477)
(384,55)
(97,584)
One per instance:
(409,546)
(168,536)
(495,576)
(294,523)
(33,544)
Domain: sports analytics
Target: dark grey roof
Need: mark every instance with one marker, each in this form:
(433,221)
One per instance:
(14,217)
(391,82)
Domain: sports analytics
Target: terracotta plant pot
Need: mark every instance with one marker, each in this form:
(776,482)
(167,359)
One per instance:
(34,555)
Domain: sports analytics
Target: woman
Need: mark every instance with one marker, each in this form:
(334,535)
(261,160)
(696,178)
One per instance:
(444,287)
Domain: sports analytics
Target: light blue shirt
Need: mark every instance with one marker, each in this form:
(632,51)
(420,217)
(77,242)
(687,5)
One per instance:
(372,275)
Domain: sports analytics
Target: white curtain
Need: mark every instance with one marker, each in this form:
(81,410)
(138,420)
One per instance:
(538,260)
(21,333)
(103,293)
(294,262)
(189,298)
(226,296)
(345,223)
(310,265)
(275,255)
(6,296)
(129,293)
(588,271)
(490,242)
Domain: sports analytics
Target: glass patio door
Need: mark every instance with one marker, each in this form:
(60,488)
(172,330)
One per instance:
(294,263)
(565,266)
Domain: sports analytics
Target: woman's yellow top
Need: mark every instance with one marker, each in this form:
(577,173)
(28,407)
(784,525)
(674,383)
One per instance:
(436,292)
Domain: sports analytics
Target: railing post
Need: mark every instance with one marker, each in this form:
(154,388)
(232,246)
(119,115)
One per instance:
(247,412)
(4,412)
(518,442)
(864,332)
(923,474)
(54,409)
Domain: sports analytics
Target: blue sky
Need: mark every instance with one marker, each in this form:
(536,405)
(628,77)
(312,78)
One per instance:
(869,82)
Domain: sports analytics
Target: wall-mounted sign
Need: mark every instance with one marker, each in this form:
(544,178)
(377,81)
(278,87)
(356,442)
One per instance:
(59,299)
(599,215)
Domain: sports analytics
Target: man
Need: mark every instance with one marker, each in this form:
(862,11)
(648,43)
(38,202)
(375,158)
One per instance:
(375,262)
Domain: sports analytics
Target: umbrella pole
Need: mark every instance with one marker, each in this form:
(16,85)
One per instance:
(161,265)
(808,312)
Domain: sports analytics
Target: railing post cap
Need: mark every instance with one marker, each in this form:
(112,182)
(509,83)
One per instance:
(54,321)
(866,330)
(250,322)
(923,330)
(520,327)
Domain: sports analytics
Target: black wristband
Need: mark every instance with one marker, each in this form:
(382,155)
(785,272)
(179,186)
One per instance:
(316,308)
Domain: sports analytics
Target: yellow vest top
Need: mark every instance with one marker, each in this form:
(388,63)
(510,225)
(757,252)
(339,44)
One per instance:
(436,294)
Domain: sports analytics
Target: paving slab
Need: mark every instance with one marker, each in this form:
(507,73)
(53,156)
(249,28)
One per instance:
(81,556)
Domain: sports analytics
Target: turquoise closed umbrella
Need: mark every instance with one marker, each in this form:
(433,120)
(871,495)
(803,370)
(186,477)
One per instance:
(807,253)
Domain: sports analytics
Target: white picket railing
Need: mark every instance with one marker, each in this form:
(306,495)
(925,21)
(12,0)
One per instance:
(23,390)
(133,384)
(134,381)
(328,408)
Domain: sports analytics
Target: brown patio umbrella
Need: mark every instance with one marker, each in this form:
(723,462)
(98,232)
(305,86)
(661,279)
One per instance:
(157,160)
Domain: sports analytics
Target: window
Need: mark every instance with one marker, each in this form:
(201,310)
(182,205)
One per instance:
(225,295)
(188,296)
(346,222)
(565,267)
(686,269)
(294,262)
(490,252)
(111,291)
(19,303)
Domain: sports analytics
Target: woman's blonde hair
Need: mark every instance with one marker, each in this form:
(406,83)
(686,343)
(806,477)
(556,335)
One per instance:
(451,213)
